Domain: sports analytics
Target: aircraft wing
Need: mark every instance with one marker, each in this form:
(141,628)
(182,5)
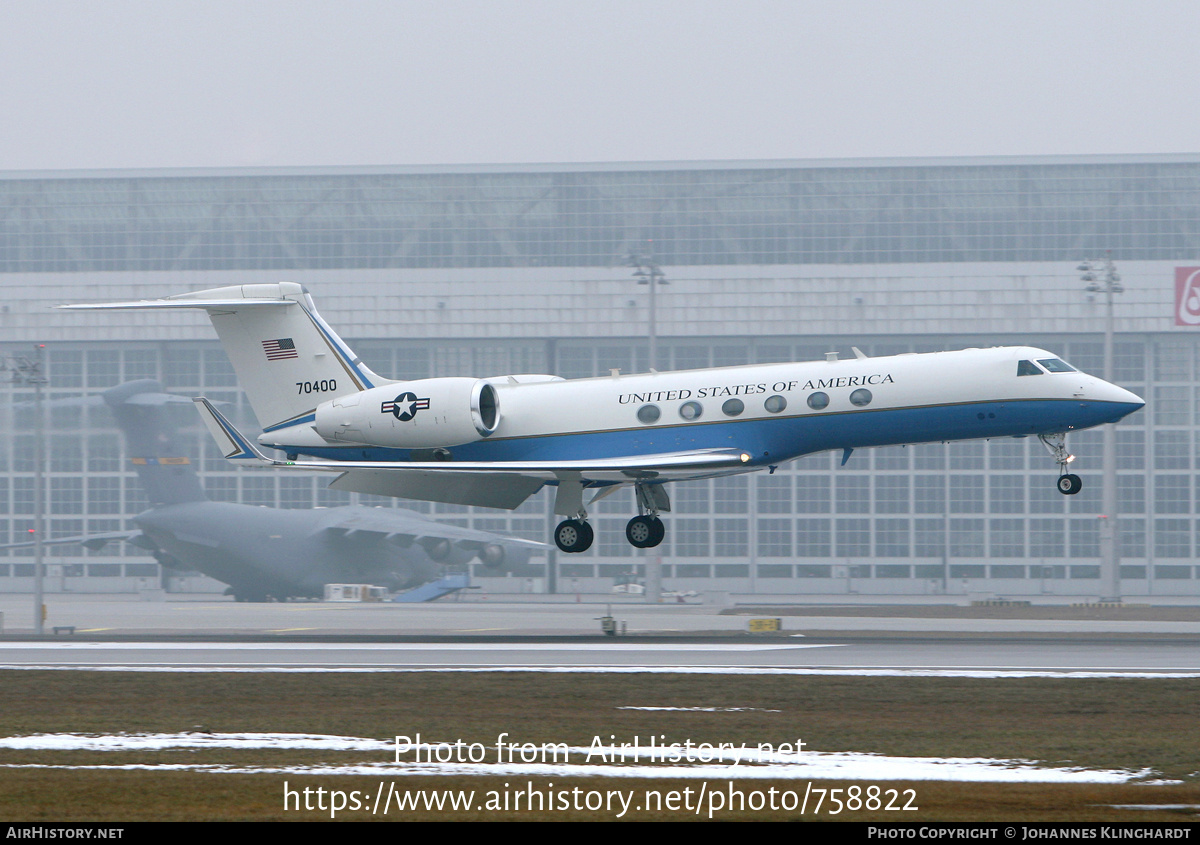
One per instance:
(494,484)
(415,529)
(97,401)
(91,541)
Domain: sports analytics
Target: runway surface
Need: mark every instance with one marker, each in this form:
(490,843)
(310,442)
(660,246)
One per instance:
(207,635)
(104,617)
(957,657)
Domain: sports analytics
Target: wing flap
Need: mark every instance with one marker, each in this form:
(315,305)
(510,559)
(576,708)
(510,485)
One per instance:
(487,490)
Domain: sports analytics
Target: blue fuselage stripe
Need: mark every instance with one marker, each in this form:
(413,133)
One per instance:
(774,439)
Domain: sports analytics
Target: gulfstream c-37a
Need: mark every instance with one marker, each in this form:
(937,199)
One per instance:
(494,441)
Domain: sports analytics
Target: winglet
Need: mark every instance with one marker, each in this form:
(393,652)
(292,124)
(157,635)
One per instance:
(232,443)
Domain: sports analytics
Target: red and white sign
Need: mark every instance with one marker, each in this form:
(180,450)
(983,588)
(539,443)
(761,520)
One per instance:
(1187,296)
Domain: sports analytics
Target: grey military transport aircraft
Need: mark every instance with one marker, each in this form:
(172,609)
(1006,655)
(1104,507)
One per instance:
(266,553)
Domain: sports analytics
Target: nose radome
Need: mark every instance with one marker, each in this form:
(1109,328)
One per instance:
(1113,393)
(1122,402)
(1133,397)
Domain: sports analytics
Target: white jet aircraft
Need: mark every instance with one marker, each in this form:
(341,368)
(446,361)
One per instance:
(496,441)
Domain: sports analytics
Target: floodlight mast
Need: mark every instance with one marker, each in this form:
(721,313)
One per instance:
(1102,277)
(29,372)
(647,272)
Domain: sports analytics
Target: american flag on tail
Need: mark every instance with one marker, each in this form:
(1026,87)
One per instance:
(279,349)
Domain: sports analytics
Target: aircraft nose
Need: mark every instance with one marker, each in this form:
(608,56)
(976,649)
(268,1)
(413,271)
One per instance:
(1124,402)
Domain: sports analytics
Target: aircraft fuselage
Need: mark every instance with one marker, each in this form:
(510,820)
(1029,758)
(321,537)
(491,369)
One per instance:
(773,412)
(281,553)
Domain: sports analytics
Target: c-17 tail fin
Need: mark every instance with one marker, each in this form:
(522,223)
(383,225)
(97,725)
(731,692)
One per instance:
(162,465)
(288,360)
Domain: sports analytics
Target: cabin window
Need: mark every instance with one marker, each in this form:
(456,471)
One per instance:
(818,401)
(733,407)
(775,403)
(1056,365)
(860,397)
(691,410)
(649,414)
(1027,368)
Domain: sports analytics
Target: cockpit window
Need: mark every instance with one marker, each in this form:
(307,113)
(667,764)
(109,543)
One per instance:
(1028,368)
(1056,365)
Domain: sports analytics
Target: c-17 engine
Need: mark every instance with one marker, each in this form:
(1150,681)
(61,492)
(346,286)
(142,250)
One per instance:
(423,414)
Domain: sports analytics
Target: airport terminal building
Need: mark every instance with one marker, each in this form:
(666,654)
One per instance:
(489,270)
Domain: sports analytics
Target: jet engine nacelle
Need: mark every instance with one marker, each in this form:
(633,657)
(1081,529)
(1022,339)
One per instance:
(492,556)
(424,414)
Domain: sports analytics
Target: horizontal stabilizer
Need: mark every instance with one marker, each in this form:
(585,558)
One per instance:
(178,302)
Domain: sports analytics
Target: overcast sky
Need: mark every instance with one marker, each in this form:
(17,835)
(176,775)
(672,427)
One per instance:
(218,83)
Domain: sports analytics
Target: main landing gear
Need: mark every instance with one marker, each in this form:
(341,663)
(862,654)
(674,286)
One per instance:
(1068,483)
(644,531)
(574,535)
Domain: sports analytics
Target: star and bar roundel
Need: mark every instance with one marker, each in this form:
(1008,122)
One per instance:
(405,406)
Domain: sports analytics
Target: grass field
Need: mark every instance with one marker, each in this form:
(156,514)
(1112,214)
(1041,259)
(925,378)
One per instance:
(1132,724)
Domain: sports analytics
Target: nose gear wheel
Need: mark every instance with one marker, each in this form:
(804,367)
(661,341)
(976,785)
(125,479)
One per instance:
(1069,484)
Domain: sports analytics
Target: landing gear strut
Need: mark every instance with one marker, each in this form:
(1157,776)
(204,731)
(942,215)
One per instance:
(1068,483)
(574,534)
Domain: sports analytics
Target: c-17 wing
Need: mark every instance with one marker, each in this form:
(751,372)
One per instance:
(417,529)
(91,541)
(495,484)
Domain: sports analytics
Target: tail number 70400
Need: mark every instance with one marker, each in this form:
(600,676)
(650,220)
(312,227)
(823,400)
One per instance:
(322,386)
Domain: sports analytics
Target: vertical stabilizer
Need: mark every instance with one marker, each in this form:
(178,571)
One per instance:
(287,359)
(162,465)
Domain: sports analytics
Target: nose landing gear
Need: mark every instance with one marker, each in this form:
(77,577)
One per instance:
(1068,483)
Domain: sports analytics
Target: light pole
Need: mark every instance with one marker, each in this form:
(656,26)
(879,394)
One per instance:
(28,371)
(647,272)
(1102,277)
